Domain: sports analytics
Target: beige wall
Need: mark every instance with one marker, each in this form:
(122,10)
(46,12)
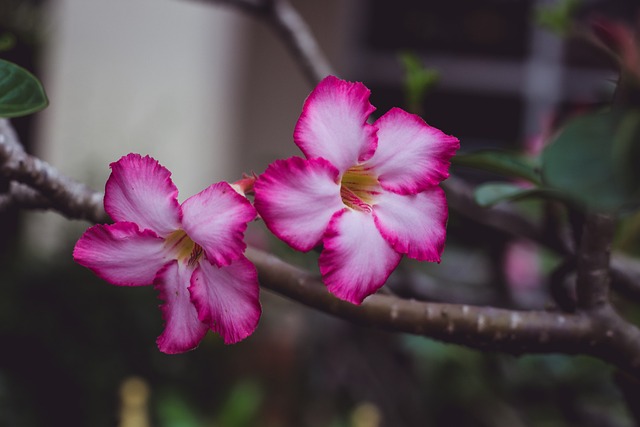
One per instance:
(275,88)
(208,92)
(156,77)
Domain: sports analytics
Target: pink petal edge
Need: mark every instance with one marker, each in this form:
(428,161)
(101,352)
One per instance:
(333,124)
(296,198)
(121,253)
(183,330)
(140,190)
(356,260)
(411,155)
(414,225)
(227,298)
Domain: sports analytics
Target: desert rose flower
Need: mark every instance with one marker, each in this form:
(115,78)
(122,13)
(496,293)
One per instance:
(368,192)
(192,253)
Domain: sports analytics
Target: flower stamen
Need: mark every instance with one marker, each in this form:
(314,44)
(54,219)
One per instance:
(184,248)
(196,253)
(359,188)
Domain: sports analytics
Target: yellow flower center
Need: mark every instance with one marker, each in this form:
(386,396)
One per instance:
(184,248)
(359,188)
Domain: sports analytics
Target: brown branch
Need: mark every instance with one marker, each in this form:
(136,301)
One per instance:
(481,327)
(620,340)
(8,135)
(592,263)
(625,276)
(604,335)
(71,198)
(293,32)
(20,196)
(600,333)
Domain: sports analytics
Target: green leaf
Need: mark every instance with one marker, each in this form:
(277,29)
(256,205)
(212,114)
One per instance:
(7,41)
(418,80)
(493,192)
(175,410)
(21,93)
(490,193)
(242,405)
(557,17)
(503,163)
(594,160)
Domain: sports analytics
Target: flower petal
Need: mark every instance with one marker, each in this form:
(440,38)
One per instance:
(356,260)
(297,198)
(183,331)
(216,219)
(411,155)
(140,190)
(414,224)
(121,253)
(226,298)
(333,123)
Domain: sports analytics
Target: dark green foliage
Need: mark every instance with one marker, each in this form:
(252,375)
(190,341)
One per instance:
(21,93)
(418,81)
(594,160)
(557,17)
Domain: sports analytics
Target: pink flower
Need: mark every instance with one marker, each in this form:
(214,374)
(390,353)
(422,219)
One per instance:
(192,253)
(368,193)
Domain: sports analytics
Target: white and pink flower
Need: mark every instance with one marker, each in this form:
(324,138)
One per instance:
(193,253)
(368,192)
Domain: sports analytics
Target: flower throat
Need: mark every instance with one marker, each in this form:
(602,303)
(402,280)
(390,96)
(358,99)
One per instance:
(359,188)
(186,248)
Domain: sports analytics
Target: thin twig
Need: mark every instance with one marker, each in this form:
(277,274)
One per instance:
(625,272)
(69,197)
(293,32)
(296,36)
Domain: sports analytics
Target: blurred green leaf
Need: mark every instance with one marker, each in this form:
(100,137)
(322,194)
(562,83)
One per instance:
(21,93)
(241,407)
(7,41)
(626,145)
(594,159)
(490,193)
(494,192)
(418,80)
(557,17)
(174,411)
(503,163)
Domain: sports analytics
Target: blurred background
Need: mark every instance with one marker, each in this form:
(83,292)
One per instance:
(211,93)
